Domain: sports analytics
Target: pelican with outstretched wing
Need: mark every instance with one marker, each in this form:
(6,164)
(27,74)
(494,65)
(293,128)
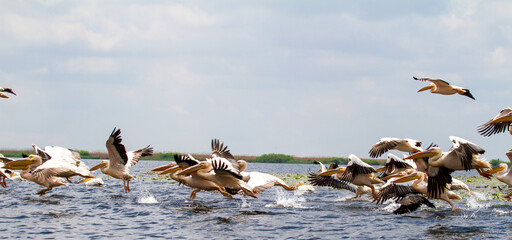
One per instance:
(442,87)
(6,90)
(120,161)
(500,123)
(389,143)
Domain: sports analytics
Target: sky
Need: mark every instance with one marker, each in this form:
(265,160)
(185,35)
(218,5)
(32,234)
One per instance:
(303,78)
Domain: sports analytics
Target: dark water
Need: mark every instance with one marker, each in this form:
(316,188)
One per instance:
(80,212)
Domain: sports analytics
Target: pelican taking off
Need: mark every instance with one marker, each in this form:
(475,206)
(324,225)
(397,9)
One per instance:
(389,143)
(6,90)
(442,87)
(500,123)
(502,175)
(120,160)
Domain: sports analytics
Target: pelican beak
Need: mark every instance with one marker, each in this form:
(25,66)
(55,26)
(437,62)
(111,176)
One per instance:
(191,169)
(392,176)
(3,96)
(504,118)
(425,88)
(408,178)
(164,167)
(84,180)
(102,164)
(427,153)
(11,174)
(380,169)
(497,169)
(21,164)
(332,172)
(170,170)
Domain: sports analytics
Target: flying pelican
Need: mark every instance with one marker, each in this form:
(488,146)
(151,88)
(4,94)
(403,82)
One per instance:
(389,143)
(192,180)
(442,87)
(67,160)
(358,173)
(502,175)
(221,169)
(500,123)
(46,178)
(420,186)
(120,160)
(463,156)
(259,181)
(393,165)
(6,90)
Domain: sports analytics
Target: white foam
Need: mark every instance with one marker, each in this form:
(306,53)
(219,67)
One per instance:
(501,212)
(146,198)
(244,204)
(391,207)
(285,200)
(476,203)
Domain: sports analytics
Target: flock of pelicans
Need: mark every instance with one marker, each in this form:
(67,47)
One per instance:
(410,181)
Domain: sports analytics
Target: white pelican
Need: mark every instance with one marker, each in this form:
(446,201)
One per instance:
(67,160)
(191,180)
(420,186)
(358,173)
(45,178)
(393,165)
(389,143)
(6,90)
(502,175)
(259,181)
(120,160)
(463,156)
(442,87)
(221,169)
(500,123)
(304,188)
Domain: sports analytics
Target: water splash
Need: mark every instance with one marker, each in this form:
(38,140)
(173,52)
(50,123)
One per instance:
(476,203)
(146,198)
(501,212)
(391,207)
(286,200)
(244,203)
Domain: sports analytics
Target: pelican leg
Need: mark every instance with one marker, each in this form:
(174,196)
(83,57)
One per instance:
(69,180)
(43,191)
(193,193)
(374,193)
(483,173)
(126,185)
(286,187)
(223,191)
(2,182)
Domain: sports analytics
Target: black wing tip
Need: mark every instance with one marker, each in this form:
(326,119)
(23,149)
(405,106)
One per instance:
(147,151)
(415,78)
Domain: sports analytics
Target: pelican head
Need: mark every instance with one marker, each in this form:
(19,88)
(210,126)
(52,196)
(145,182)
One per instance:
(467,93)
(409,177)
(505,118)
(170,170)
(430,86)
(425,154)
(332,171)
(103,164)
(501,168)
(197,167)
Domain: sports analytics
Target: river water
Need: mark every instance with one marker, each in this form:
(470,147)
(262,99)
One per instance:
(162,209)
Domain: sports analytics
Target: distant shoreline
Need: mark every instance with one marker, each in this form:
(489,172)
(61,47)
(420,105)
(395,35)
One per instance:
(169,156)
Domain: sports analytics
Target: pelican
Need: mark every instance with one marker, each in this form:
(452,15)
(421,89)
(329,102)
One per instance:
(358,173)
(6,90)
(393,165)
(192,180)
(389,143)
(68,162)
(304,188)
(502,175)
(420,186)
(500,123)
(46,178)
(442,87)
(120,160)
(463,156)
(221,169)
(259,181)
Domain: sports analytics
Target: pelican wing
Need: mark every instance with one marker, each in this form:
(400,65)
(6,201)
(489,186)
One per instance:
(411,202)
(260,182)
(231,166)
(185,161)
(42,153)
(436,81)
(134,156)
(116,150)
(330,181)
(438,179)
(355,167)
(466,151)
(395,162)
(219,150)
(489,128)
(394,191)
(384,145)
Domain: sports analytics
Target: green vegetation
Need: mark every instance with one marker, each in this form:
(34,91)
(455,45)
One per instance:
(496,162)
